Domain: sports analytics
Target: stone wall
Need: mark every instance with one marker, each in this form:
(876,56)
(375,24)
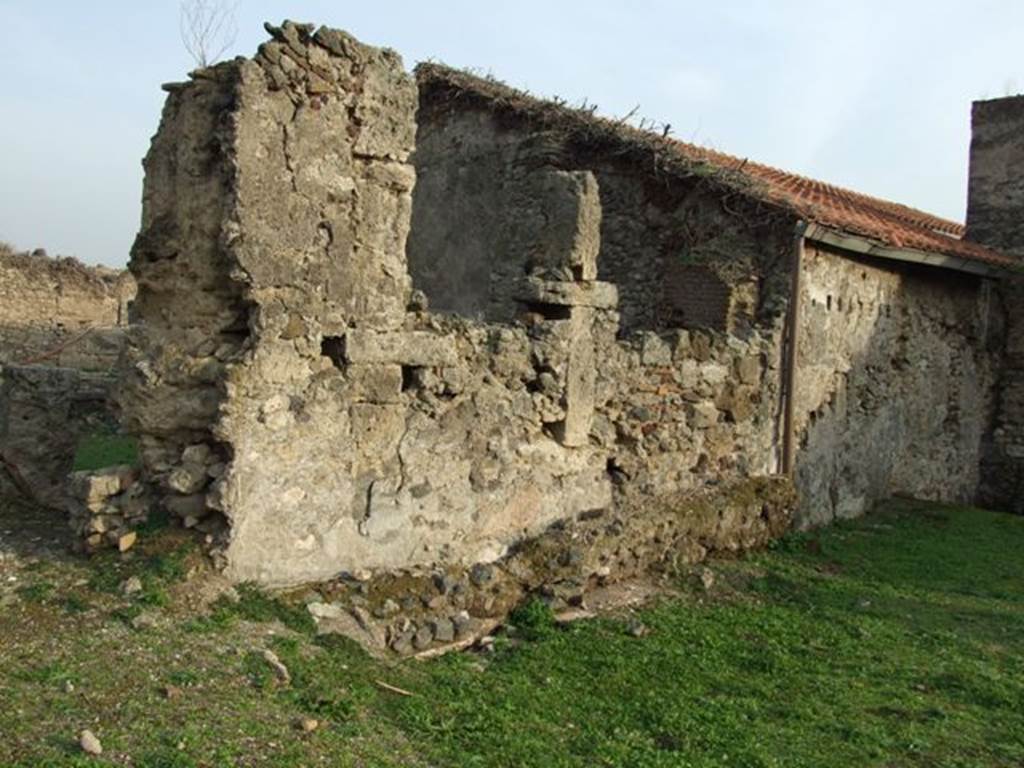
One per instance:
(677,256)
(995,191)
(351,352)
(995,217)
(287,378)
(60,312)
(895,383)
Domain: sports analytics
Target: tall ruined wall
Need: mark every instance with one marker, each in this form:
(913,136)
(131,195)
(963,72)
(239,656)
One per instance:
(995,217)
(287,379)
(188,320)
(48,306)
(678,256)
(895,383)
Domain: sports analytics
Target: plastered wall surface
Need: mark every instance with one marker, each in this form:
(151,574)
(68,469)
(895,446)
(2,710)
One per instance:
(467,251)
(896,383)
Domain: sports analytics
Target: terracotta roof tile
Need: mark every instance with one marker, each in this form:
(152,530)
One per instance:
(891,224)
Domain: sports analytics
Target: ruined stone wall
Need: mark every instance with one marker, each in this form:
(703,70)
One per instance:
(995,191)
(287,378)
(674,408)
(1002,469)
(895,383)
(483,218)
(189,320)
(995,217)
(680,410)
(59,312)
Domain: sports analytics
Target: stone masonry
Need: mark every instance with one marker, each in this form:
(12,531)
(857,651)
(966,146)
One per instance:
(43,412)
(995,216)
(342,424)
(896,386)
(61,334)
(388,323)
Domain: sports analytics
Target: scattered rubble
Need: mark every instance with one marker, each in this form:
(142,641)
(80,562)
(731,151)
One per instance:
(89,743)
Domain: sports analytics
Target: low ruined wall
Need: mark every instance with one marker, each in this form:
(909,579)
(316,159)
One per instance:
(895,383)
(431,609)
(60,312)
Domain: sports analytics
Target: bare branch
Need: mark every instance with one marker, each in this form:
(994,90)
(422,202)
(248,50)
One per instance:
(208,29)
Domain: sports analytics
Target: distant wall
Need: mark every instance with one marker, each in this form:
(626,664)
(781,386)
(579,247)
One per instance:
(895,383)
(60,312)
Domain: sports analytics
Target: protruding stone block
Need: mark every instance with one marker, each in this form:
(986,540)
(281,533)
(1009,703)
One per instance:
(376,383)
(593,293)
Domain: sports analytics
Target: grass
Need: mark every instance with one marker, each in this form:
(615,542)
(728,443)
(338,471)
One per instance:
(103,449)
(895,640)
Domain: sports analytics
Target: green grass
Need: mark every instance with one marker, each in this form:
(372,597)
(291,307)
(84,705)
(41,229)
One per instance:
(257,606)
(104,449)
(895,640)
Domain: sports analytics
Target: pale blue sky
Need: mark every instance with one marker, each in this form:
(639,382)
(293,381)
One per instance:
(873,95)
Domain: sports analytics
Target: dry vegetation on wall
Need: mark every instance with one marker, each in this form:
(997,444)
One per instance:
(582,127)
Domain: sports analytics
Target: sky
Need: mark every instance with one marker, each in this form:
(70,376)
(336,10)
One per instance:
(868,94)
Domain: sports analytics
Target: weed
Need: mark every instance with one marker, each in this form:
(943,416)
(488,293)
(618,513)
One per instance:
(534,618)
(75,604)
(256,605)
(35,593)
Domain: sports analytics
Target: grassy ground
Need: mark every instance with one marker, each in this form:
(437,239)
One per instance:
(104,449)
(896,640)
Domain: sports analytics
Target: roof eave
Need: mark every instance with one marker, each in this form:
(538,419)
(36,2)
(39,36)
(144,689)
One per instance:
(868,247)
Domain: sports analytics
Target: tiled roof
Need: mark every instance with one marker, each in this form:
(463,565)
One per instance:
(891,224)
(886,223)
